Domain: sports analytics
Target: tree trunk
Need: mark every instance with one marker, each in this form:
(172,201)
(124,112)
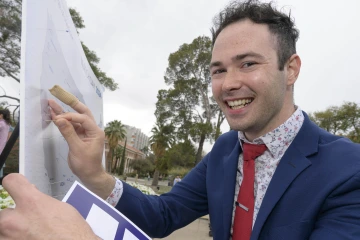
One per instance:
(122,163)
(111,160)
(200,149)
(108,160)
(220,120)
(155,180)
(115,164)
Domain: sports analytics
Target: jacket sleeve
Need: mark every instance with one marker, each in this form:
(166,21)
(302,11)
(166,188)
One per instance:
(340,218)
(158,216)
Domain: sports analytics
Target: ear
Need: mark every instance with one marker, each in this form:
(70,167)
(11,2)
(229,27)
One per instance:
(293,69)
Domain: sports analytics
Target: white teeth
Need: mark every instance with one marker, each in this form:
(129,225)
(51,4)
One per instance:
(237,104)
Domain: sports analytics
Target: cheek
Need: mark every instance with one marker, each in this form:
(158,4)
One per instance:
(216,88)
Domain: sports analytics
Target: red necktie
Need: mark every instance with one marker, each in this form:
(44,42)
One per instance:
(244,211)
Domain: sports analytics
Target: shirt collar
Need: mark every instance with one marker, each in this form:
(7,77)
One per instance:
(279,139)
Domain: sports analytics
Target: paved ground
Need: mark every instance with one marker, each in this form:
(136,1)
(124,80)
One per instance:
(197,230)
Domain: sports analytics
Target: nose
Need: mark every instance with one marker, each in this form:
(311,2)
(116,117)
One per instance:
(232,81)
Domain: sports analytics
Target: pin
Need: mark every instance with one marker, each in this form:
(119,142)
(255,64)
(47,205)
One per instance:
(242,206)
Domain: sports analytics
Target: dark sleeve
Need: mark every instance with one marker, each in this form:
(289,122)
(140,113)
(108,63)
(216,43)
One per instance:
(158,216)
(340,218)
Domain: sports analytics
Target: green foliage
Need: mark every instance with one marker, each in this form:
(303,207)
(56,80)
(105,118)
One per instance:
(179,171)
(341,120)
(162,138)
(91,56)
(330,120)
(12,161)
(10,37)
(142,166)
(181,155)
(77,19)
(93,60)
(115,132)
(187,104)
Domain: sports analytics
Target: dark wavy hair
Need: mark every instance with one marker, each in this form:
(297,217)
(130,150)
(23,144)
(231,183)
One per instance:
(280,24)
(6,115)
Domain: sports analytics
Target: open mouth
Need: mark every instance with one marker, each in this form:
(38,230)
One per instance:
(237,104)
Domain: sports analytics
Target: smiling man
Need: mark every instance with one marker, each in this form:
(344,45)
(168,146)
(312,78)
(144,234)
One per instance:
(253,87)
(276,175)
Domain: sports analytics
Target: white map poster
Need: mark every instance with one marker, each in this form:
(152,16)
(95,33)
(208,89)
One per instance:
(51,54)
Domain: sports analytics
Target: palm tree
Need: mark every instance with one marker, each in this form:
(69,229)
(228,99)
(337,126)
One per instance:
(122,163)
(117,154)
(162,138)
(115,132)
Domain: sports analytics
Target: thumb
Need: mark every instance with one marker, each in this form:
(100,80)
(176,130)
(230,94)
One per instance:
(67,130)
(19,188)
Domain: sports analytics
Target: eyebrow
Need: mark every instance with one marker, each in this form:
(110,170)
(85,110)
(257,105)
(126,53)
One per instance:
(238,57)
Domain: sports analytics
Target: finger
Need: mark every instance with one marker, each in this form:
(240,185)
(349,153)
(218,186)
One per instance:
(83,109)
(53,116)
(79,107)
(87,123)
(55,107)
(7,217)
(67,130)
(19,188)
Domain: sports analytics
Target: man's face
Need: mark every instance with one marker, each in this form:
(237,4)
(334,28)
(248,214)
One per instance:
(246,82)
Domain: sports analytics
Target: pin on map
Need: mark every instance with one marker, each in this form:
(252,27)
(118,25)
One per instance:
(64,96)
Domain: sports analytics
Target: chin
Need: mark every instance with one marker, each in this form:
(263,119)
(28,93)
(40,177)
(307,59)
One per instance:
(239,127)
(236,127)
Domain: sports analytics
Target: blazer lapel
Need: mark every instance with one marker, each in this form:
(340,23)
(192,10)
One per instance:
(230,165)
(291,165)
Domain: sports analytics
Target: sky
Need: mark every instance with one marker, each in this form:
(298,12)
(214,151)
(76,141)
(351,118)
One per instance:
(134,39)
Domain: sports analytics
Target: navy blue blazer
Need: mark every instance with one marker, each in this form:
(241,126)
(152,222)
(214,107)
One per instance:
(314,193)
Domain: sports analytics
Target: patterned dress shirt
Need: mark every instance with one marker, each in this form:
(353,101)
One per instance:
(277,142)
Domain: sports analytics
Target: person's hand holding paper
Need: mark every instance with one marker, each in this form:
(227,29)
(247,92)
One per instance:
(39,216)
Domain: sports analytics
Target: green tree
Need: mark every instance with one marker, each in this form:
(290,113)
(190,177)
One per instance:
(10,37)
(349,112)
(328,119)
(142,166)
(181,154)
(115,132)
(162,138)
(341,120)
(189,97)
